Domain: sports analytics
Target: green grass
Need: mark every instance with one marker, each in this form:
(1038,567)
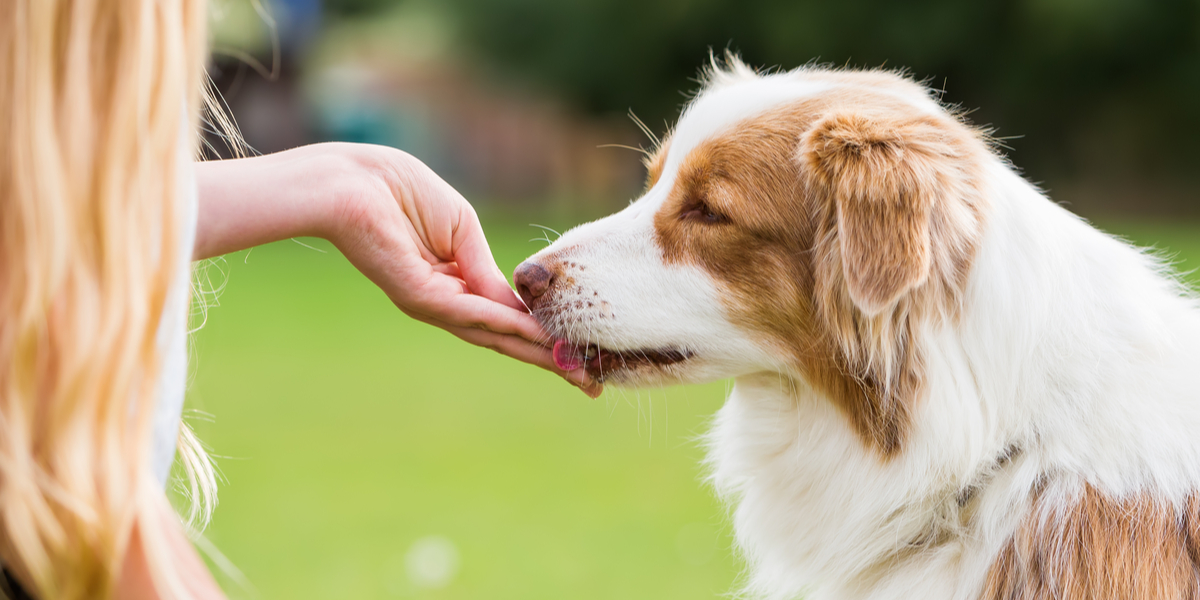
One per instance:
(347,432)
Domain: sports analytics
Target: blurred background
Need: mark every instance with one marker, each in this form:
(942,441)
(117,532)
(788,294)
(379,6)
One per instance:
(369,456)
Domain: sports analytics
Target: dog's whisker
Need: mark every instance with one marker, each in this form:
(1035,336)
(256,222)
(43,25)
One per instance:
(547,229)
(646,130)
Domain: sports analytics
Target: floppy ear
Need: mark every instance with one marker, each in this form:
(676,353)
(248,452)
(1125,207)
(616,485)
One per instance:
(880,172)
(893,211)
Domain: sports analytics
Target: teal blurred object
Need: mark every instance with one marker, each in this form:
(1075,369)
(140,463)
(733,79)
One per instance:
(364,125)
(371,456)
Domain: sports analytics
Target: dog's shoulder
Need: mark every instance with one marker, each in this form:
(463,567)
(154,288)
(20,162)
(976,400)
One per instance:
(1078,542)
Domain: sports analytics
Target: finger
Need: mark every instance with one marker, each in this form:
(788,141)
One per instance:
(448,268)
(449,230)
(508,345)
(527,352)
(477,265)
(593,389)
(466,310)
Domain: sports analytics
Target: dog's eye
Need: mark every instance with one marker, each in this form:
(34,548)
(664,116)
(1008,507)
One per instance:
(697,210)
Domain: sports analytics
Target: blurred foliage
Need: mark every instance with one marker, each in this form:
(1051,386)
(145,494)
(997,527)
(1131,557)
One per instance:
(357,7)
(1098,86)
(239,26)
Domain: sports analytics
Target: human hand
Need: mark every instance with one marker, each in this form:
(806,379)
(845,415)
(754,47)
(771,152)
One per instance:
(399,223)
(421,242)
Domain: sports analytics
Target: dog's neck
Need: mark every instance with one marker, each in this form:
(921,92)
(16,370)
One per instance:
(1078,345)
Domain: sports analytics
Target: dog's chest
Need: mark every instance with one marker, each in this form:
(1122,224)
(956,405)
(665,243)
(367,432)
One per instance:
(819,512)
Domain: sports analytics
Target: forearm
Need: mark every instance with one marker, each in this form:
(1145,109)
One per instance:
(251,201)
(395,220)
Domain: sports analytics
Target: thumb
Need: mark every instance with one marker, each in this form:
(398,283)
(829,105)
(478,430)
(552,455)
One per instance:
(478,266)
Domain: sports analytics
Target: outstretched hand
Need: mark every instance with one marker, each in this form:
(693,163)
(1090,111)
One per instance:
(400,224)
(421,242)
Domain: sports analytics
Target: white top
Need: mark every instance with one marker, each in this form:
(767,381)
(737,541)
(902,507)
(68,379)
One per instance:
(172,331)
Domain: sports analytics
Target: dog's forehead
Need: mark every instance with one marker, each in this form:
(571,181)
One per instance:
(717,109)
(739,98)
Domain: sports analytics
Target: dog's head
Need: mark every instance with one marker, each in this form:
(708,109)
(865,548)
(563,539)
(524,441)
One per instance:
(809,223)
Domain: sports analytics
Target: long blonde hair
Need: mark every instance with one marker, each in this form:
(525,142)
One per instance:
(96,99)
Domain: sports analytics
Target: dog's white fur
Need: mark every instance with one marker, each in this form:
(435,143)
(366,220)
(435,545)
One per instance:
(1073,346)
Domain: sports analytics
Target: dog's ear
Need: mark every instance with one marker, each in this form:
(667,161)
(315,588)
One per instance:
(893,210)
(879,176)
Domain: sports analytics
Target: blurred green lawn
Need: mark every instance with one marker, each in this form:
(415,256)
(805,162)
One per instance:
(349,434)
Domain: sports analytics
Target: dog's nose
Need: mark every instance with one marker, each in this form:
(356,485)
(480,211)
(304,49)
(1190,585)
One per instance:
(532,281)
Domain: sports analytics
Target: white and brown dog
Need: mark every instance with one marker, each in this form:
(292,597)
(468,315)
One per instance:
(947,386)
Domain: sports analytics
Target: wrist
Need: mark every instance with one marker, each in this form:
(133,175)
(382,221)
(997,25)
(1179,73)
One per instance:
(362,184)
(336,191)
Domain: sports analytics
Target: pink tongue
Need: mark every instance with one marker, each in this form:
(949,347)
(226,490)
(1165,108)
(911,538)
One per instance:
(567,356)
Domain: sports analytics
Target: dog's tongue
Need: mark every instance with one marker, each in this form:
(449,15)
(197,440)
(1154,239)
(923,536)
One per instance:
(568,356)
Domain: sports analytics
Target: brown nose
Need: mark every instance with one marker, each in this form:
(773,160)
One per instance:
(532,281)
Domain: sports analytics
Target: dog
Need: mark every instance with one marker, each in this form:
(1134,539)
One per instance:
(946,385)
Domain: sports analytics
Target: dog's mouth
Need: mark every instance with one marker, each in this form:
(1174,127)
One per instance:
(602,362)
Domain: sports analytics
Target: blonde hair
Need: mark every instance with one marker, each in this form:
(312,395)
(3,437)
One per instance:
(96,99)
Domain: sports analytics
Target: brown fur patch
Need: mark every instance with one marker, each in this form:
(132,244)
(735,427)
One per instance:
(838,223)
(1101,547)
(873,169)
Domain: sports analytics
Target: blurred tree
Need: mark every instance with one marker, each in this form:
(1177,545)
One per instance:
(1097,86)
(356,7)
